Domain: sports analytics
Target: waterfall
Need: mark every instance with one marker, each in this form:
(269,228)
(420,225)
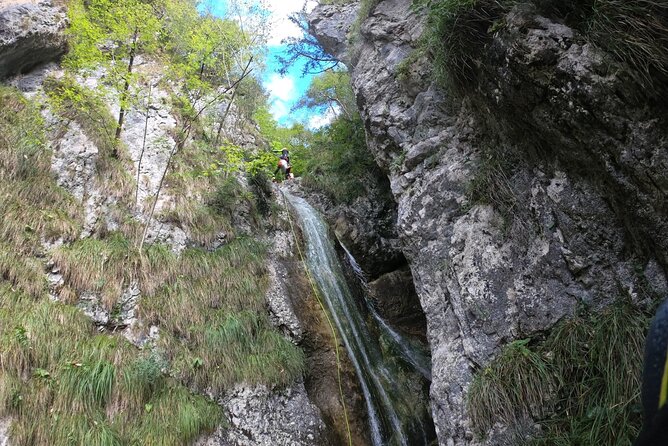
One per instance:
(397,414)
(411,352)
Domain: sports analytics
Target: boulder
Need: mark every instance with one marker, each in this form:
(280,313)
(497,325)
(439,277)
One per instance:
(31,34)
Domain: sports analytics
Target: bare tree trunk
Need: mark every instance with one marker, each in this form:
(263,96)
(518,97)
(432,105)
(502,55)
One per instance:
(229,104)
(143,146)
(126,89)
(178,145)
(343,107)
(222,119)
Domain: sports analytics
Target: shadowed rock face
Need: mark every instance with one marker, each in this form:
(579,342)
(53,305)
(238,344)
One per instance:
(579,216)
(30,34)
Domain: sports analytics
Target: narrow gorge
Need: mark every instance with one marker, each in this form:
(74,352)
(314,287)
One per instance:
(470,254)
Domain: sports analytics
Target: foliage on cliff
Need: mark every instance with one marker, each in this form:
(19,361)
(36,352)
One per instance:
(582,382)
(62,379)
(635,33)
(333,159)
(59,381)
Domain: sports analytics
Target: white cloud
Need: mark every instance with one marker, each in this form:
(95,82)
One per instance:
(281,26)
(279,109)
(280,87)
(281,91)
(317,121)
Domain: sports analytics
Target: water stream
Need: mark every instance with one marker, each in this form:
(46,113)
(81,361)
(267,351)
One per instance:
(391,377)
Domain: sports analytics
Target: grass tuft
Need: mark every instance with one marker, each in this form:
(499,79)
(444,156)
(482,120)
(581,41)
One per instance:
(582,383)
(110,265)
(516,384)
(633,32)
(214,324)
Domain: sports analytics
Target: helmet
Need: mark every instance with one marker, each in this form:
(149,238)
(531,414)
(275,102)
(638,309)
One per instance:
(284,151)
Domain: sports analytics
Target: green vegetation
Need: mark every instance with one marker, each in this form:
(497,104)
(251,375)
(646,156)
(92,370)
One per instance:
(634,32)
(63,384)
(366,6)
(110,265)
(334,159)
(32,205)
(331,91)
(582,382)
(337,162)
(132,25)
(457,31)
(207,193)
(204,191)
(60,382)
(214,325)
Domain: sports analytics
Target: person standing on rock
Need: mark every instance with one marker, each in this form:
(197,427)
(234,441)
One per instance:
(284,164)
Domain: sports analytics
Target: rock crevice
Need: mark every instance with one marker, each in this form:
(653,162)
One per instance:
(31,33)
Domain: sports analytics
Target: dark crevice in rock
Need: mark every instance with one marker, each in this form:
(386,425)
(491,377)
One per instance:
(30,35)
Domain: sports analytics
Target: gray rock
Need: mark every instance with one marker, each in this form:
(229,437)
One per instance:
(331,24)
(4,431)
(585,224)
(31,33)
(266,417)
(155,122)
(31,82)
(91,306)
(281,313)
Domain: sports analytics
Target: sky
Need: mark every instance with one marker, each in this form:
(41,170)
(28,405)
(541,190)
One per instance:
(284,91)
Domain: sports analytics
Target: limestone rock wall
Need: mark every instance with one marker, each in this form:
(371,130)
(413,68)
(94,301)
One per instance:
(580,217)
(31,33)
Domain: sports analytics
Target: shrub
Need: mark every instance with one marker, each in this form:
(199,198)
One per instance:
(338,162)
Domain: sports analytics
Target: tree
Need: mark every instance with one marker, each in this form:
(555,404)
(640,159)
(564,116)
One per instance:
(111,33)
(306,48)
(332,90)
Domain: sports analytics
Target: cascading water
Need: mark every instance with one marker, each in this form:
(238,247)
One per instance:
(408,350)
(398,414)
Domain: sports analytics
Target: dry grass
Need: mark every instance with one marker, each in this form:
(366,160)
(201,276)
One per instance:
(60,382)
(63,384)
(110,265)
(582,383)
(204,195)
(32,206)
(214,322)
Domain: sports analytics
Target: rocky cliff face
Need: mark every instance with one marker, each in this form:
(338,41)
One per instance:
(31,33)
(578,216)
